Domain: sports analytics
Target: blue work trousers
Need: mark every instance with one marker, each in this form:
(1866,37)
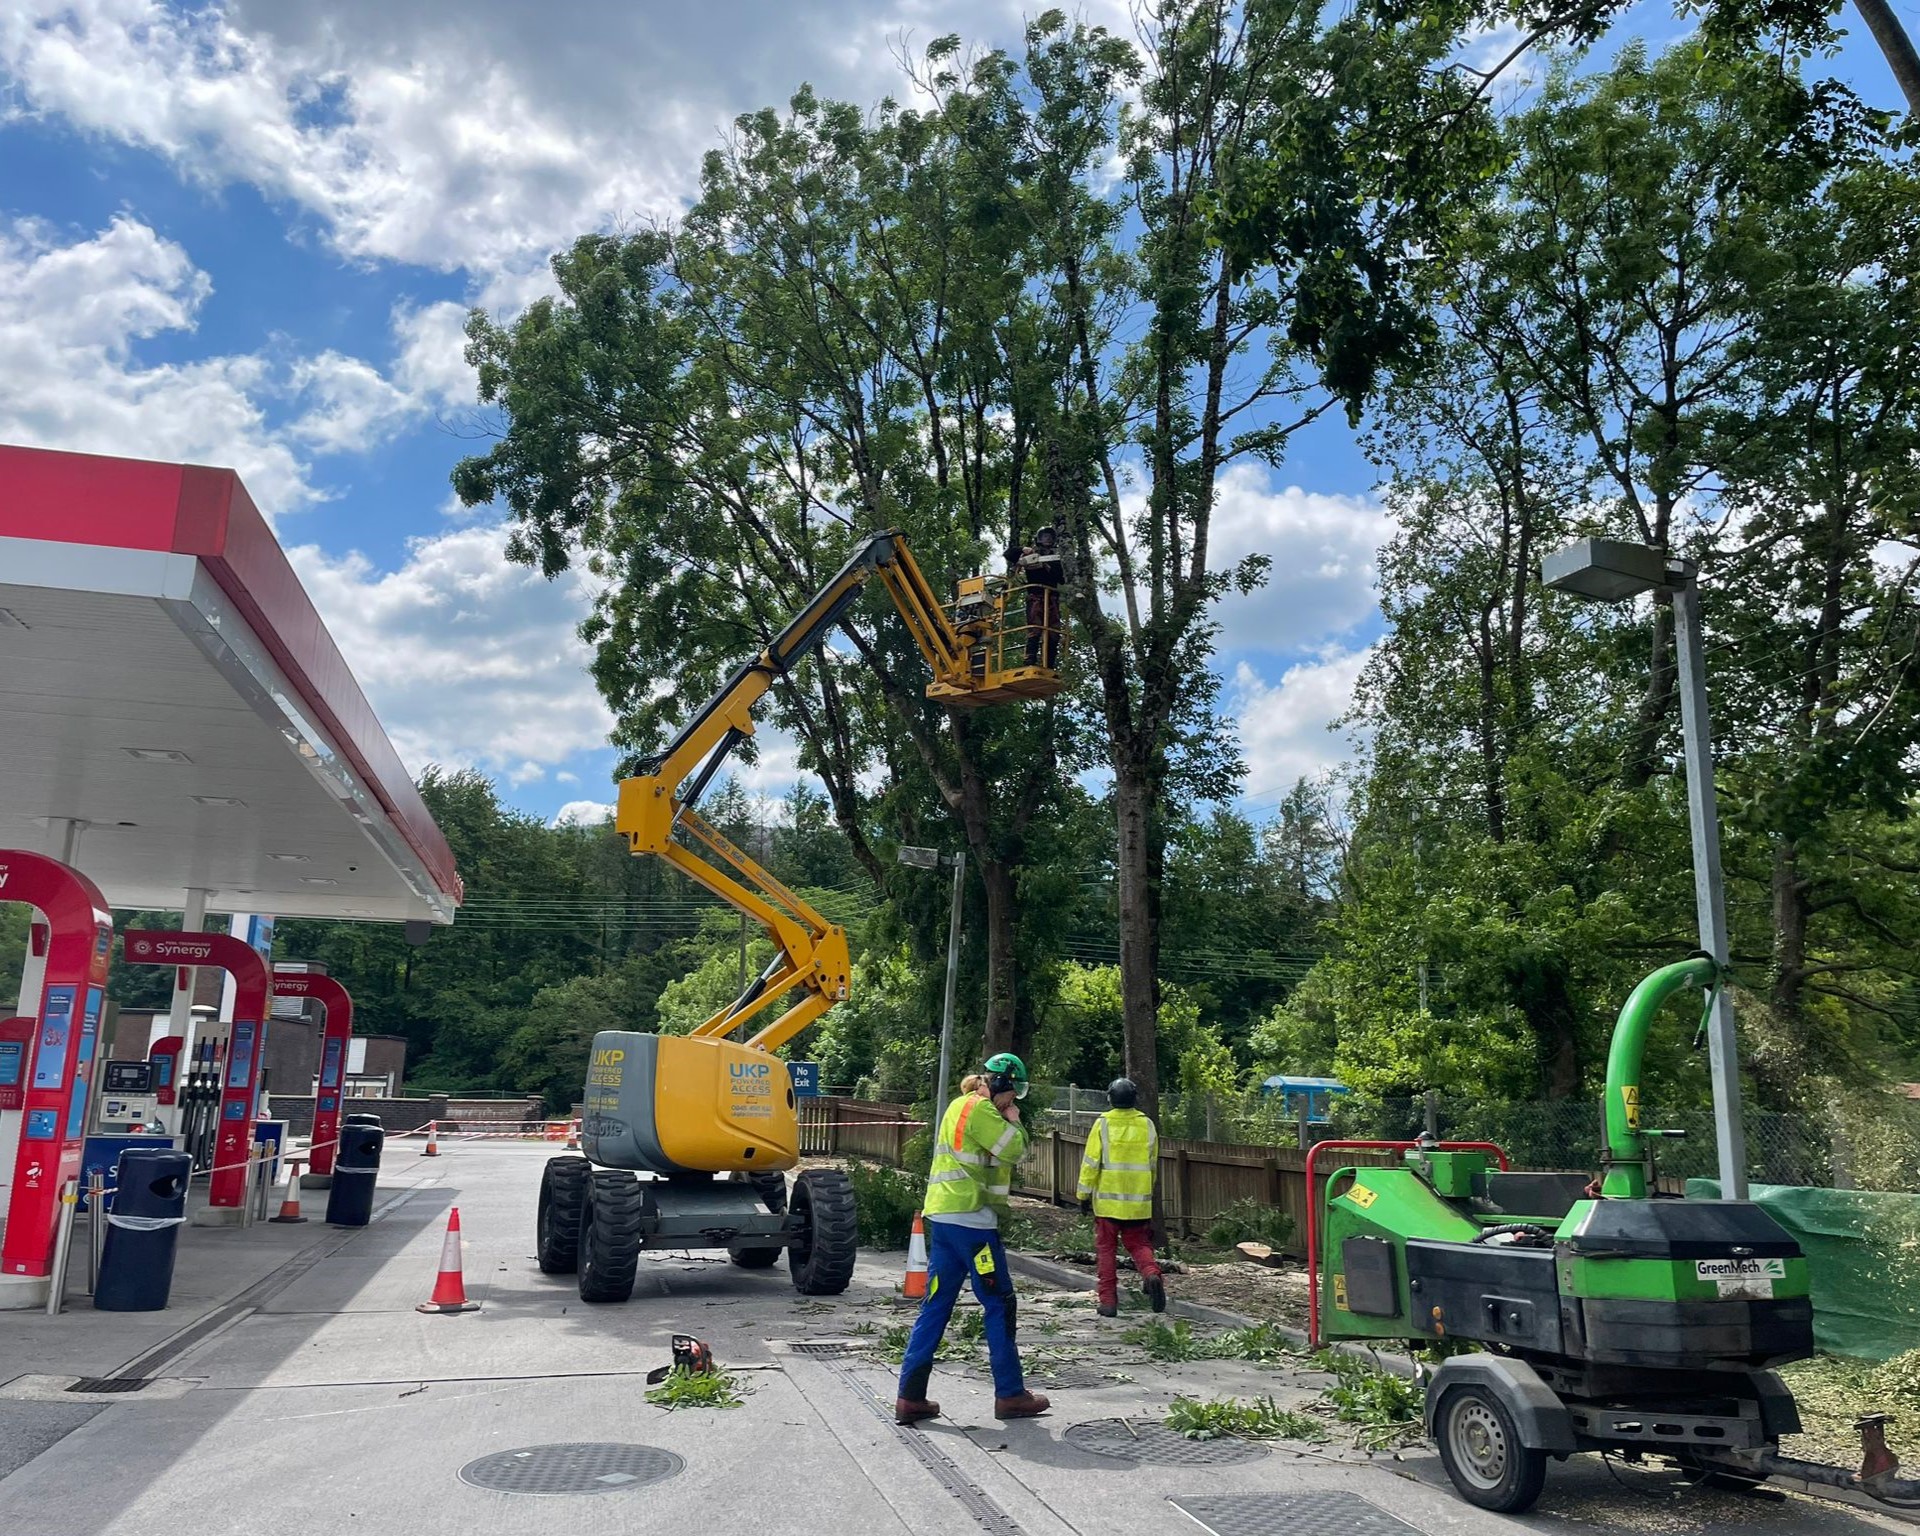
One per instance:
(956,1254)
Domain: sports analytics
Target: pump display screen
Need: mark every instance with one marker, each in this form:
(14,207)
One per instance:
(129,1077)
(11,1052)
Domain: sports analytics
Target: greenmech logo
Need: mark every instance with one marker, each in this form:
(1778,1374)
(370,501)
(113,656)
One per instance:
(1734,1269)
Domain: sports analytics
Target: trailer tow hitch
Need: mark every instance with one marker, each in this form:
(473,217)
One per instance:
(1879,1475)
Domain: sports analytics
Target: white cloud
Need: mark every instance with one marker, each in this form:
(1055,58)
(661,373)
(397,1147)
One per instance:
(71,312)
(582,813)
(1324,576)
(479,136)
(470,661)
(432,364)
(434,152)
(1286,728)
(350,407)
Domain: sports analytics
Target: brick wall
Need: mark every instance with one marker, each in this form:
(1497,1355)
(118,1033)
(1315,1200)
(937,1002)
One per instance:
(405,1114)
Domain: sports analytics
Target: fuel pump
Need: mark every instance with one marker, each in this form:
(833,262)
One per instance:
(126,1113)
(200,1104)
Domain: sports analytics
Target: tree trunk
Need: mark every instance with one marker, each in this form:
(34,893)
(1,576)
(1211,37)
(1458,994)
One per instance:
(1132,798)
(1896,45)
(1650,721)
(975,814)
(1002,1022)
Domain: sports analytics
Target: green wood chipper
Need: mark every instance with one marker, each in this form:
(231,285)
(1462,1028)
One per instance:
(1592,1314)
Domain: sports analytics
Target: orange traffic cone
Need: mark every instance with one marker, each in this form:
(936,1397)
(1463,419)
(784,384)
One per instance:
(914,1287)
(573,1136)
(432,1148)
(290,1206)
(449,1289)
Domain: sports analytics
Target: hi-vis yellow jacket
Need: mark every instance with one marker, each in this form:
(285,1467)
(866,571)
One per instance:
(1123,1151)
(973,1158)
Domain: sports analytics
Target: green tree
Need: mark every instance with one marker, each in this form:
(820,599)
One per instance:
(1685,321)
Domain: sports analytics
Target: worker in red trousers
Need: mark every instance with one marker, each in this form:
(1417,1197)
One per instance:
(1116,1187)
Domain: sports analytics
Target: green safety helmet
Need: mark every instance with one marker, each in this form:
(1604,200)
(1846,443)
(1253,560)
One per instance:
(1006,1072)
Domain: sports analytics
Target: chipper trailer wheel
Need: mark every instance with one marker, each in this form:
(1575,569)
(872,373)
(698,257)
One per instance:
(563,1191)
(772,1189)
(821,1258)
(1481,1450)
(610,1236)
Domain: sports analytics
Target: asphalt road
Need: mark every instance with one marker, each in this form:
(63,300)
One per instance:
(293,1388)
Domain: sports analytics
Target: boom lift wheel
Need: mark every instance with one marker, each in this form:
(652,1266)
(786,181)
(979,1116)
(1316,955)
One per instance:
(610,1236)
(1480,1448)
(772,1189)
(563,1191)
(821,1258)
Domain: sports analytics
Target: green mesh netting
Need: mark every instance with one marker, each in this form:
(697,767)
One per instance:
(1863,1257)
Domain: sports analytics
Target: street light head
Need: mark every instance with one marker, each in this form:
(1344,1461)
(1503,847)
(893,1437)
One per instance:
(921,858)
(1606,570)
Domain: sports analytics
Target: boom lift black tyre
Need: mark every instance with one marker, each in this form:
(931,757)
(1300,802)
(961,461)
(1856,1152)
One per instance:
(563,1191)
(610,1236)
(821,1258)
(772,1190)
(1481,1450)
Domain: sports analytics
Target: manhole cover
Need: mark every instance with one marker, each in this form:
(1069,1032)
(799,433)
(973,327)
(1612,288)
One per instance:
(108,1384)
(585,1468)
(1295,1514)
(1125,1441)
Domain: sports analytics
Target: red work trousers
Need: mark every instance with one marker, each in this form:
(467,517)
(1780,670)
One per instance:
(1108,1234)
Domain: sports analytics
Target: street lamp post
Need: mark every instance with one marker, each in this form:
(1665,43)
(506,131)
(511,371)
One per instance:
(1611,571)
(929,858)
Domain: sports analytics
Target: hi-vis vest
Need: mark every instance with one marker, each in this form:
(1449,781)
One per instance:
(1123,1150)
(973,1158)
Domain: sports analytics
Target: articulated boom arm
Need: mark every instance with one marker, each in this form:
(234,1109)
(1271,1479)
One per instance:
(654,805)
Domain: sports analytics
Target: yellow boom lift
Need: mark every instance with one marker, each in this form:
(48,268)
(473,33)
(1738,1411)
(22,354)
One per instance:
(710,1119)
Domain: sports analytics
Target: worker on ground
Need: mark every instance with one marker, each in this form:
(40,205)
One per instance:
(1116,1188)
(979,1142)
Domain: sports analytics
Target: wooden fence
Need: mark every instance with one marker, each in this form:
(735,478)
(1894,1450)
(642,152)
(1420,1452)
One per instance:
(1198,1179)
(858,1127)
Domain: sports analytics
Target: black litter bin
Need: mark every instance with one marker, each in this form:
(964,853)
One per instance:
(149,1205)
(355,1166)
(361,1120)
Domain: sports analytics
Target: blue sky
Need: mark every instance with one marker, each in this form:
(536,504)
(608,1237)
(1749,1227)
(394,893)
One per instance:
(245,233)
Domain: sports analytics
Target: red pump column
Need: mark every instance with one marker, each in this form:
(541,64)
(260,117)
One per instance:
(227,1193)
(59,1069)
(334,1036)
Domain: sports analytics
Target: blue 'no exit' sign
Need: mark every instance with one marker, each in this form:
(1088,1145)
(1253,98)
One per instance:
(806,1079)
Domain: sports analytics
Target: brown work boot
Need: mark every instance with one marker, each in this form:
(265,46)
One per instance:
(1028,1405)
(907,1411)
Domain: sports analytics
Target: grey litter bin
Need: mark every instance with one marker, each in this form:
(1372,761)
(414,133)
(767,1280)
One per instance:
(149,1205)
(356,1165)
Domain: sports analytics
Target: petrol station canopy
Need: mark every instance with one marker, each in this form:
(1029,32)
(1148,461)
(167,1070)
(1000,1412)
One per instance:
(166,682)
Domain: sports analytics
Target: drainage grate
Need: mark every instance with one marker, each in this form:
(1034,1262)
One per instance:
(1125,1441)
(1295,1514)
(824,1347)
(109,1384)
(582,1468)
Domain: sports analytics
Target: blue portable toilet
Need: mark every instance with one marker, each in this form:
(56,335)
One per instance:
(1315,1094)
